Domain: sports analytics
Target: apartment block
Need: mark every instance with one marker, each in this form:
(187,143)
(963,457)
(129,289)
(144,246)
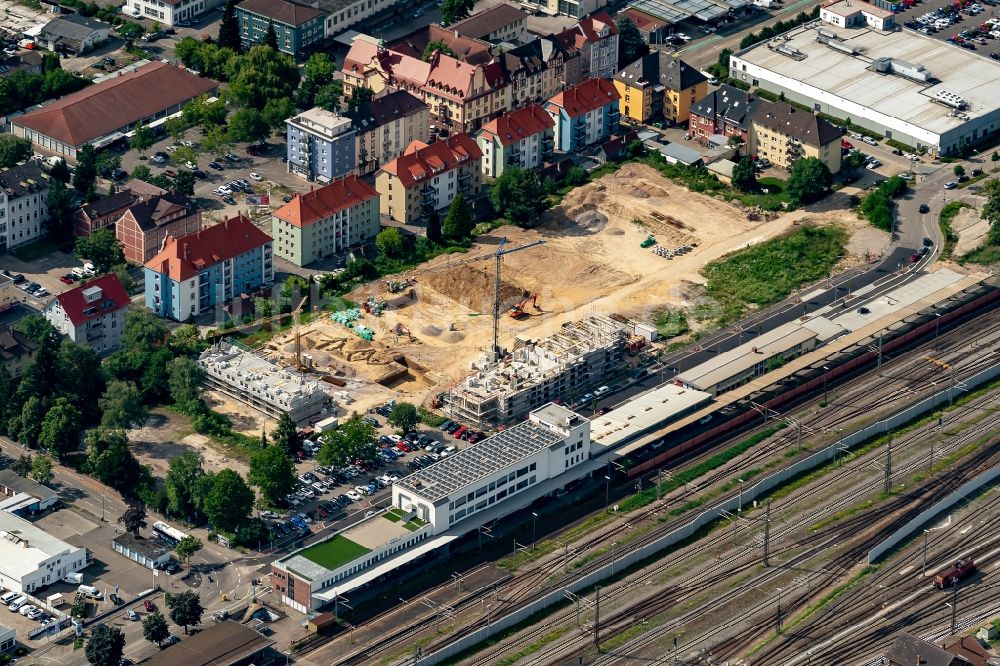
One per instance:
(658,87)
(320,145)
(299,27)
(385,126)
(522,138)
(584,114)
(23,204)
(785,134)
(92,314)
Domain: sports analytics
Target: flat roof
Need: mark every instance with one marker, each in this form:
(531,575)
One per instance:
(954,70)
(479,461)
(23,546)
(746,356)
(660,9)
(141,545)
(644,411)
(899,298)
(215,645)
(19,484)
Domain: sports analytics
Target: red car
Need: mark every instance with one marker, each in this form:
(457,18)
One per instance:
(149,606)
(171,173)
(844,143)
(474,437)
(458,433)
(66,279)
(914,258)
(404,447)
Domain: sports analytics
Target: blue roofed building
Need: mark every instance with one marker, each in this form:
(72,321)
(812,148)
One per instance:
(194,273)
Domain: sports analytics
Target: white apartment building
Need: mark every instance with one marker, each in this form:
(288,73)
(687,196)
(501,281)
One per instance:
(522,138)
(23,208)
(91,314)
(169,12)
(30,558)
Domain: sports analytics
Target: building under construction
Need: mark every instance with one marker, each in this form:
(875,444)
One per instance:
(266,387)
(564,366)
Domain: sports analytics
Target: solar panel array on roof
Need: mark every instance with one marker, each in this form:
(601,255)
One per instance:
(479,461)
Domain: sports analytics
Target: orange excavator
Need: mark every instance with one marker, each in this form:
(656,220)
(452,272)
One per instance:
(519,312)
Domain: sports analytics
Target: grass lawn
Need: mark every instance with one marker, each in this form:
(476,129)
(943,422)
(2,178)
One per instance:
(35,251)
(776,198)
(986,255)
(392,516)
(948,213)
(334,553)
(768,272)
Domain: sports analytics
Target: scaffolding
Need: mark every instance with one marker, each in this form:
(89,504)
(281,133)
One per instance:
(263,385)
(581,354)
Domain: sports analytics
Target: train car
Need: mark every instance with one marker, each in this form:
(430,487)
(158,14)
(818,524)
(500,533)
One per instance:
(955,574)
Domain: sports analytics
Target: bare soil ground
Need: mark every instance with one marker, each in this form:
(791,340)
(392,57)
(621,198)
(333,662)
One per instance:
(971,230)
(167,434)
(590,262)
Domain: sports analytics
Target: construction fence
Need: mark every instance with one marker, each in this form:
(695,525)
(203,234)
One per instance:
(724,509)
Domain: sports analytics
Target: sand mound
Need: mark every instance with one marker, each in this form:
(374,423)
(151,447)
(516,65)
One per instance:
(592,220)
(431,330)
(639,193)
(615,231)
(471,287)
(452,337)
(357,345)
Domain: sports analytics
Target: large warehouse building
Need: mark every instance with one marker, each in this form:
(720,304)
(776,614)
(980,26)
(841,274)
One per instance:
(921,91)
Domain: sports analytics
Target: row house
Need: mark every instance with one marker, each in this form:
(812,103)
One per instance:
(326,221)
(584,114)
(726,111)
(460,96)
(658,86)
(522,138)
(194,273)
(539,69)
(385,126)
(104,212)
(426,178)
(596,37)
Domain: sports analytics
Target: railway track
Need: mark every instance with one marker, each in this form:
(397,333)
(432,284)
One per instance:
(903,377)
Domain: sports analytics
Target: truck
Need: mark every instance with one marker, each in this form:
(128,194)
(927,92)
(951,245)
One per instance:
(958,572)
(328,423)
(73,578)
(90,591)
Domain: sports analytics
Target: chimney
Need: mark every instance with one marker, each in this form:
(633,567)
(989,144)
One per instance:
(185,251)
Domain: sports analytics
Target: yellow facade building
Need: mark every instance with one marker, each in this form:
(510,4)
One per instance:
(658,87)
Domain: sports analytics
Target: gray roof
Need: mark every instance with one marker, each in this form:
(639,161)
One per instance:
(805,126)
(151,549)
(383,110)
(479,461)
(17,530)
(73,26)
(490,20)
(727,104)
(24,179)
(660,68)
(681,153)
(8,478)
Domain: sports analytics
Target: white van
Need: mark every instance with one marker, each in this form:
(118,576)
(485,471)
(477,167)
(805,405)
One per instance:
(91,591)
(9,597)
(711,77)
(15,605)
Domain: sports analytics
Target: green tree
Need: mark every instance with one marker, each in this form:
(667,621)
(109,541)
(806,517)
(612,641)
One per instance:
(184,182)
(353,439)
(286,435)
(32,420)
(102,249)
(455,10)
(60,204)
(360,95)
(458,223)
(229,502)
(61,428)
(435,46)
(853,160)
(142,138)
(995,157)
(141,172)
(187,547)
(121,406)
(248,126)
(329,96)
(85,178)
(79,378)
(990,212)
(229,28)
(271,470)
(723,60)
(38,329)
(809,180)
(404,416)
(217,141)
(744,175)
(959,171)
(50,62)
(13,150)
(270,36)
(264,74)
(184,377)
(177,128)
(277,111)
(143,331)
(518,195)
(130,31)
(317,73)
(576,176)
(155,628)
(201,111)
(23,466)
(107,163)
(631,45)
(41,469)
(391,243)
(184,154)
(60,172)
(181,481)
(434,227)
(110,461)
(185,609)
(185,340)
(106,646)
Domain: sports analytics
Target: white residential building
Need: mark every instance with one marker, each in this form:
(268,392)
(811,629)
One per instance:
(522,138)
(169,12)
(30,558)
(92,314)
(23,209)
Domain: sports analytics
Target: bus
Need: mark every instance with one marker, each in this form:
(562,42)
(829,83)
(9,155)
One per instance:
(168,533)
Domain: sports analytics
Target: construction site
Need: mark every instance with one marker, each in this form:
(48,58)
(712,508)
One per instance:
(495,345)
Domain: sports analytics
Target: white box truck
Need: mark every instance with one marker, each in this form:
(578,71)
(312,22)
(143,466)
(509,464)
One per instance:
(328,423)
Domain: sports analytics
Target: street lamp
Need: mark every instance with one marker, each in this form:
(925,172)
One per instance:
(937,329)
(739,507)
(534,523)
(826,369)
(607,492)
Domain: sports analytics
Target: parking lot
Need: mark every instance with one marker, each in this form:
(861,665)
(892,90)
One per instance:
(941,20)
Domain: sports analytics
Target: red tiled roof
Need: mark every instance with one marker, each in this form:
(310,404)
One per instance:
(110,105)
(113,298)
(585,97)
(594,23)
(512,127)
(643,21)
(183,258)
(421,162)
(305,209)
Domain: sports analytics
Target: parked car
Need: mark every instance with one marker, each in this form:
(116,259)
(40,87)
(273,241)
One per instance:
(149,606)
(131,615)
(256,176)
(950,185)
(215,165)
(115,599)
(67,279)
(924,208)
